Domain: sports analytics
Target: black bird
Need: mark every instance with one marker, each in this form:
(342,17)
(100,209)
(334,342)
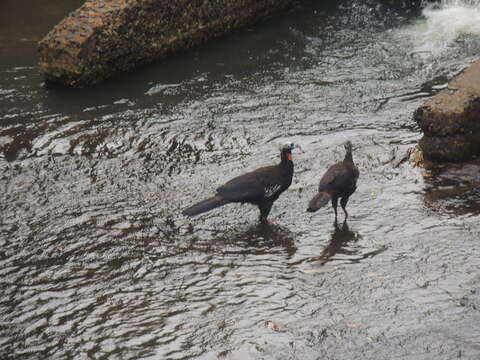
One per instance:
(260,187)
(339,182)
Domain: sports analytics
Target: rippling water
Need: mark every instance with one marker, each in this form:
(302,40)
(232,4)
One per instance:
(97,262)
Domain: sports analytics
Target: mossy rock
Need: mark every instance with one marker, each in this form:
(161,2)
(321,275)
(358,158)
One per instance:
(450,148)
(104,38)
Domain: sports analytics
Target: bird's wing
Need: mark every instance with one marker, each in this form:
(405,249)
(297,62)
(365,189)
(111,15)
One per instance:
(336,177)
(243,188)
(356,172)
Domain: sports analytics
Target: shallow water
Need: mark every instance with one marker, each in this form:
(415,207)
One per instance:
(97,262)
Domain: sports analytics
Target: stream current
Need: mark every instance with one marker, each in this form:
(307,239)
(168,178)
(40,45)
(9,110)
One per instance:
(96,261)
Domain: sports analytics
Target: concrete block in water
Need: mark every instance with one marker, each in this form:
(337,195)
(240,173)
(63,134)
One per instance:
(450,120)
(103,38)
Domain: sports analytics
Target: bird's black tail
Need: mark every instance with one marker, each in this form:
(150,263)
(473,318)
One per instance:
(318,201)
(203,206)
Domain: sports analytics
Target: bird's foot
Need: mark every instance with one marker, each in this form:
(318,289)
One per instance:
(267,222)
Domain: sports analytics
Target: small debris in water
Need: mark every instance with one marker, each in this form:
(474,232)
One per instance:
(271,325)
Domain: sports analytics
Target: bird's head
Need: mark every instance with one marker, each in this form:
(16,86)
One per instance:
(348,146)
(286,151)
(348,151)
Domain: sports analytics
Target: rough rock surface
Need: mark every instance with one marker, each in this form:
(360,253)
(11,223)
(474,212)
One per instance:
(450,120)
(105,37)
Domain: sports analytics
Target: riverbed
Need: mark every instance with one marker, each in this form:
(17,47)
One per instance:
(97,261)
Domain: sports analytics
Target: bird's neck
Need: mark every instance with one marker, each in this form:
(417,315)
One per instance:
(286,158)
(348,157)
(286,165)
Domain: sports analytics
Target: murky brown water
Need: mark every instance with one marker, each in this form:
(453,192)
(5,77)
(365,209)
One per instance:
(96,261)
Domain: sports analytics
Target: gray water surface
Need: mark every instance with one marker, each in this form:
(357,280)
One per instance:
(97,262)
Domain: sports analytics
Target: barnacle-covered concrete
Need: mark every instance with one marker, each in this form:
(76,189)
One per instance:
(105,37)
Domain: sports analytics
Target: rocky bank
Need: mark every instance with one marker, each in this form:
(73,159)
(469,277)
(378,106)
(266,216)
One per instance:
(103,38)
(450,120)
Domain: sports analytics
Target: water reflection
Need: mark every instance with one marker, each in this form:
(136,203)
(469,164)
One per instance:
(454,189)
(256,239)
(341,236)
(455,199)
(344,247)
(92,248)
(340,243)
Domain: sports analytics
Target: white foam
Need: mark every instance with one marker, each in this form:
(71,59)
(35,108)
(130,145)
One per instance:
(442,24)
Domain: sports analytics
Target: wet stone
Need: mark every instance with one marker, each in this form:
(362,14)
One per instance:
(450,120)
(101,39)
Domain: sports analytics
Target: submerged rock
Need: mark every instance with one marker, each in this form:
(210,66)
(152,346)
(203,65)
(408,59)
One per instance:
(450,120)
(103,38)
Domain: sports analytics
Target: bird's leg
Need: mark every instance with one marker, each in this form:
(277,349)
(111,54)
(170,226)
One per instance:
(343,203)
(334,205)
(265,208)
(335,223)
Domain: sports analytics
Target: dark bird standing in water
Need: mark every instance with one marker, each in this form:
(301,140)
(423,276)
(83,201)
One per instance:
(339,182)
(260,187)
